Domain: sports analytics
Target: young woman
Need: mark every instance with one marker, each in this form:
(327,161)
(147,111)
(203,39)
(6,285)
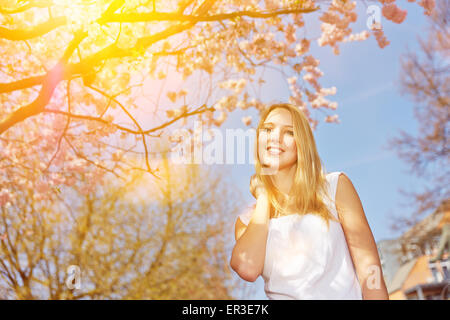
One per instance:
(307,234)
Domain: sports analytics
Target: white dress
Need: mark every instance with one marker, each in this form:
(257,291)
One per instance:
(306,261)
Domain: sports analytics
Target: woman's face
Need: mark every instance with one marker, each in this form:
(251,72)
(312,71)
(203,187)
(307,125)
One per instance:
(277,148)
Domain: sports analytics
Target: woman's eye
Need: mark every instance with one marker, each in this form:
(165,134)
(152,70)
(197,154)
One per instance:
(291,133)
(267,129)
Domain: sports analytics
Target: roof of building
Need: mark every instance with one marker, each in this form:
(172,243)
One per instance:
(400,276)
(424,229)
(430,225)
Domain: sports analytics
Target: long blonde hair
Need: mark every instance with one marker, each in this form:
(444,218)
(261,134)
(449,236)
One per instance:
(309,188)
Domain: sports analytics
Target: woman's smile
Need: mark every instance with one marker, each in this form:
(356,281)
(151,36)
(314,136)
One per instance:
(274,150)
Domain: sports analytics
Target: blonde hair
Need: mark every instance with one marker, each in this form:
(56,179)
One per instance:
(309,188)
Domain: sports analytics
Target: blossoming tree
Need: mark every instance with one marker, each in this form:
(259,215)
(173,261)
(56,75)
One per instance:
(72,73)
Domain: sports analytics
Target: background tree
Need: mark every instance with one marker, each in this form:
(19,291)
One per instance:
(425,78)
(140,240)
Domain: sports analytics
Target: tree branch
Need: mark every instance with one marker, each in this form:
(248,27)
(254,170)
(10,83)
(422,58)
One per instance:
(25,7)
(32,32)
(22,84)
(134,121)
(62,72)
(169,16)
(53,77)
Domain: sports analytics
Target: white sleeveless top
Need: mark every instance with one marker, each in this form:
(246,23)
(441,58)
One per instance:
(306,261)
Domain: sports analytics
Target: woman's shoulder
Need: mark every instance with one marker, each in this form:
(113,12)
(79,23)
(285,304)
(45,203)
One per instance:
(332,180)
(333,174)
(333,177)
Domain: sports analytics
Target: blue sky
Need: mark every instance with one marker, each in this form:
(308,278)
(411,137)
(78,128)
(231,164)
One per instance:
(371,110)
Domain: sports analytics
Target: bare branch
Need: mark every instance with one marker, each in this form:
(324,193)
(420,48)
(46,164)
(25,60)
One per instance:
(53,77)
(134,121)
(33,32)
(169,16)
(65,128)
(27,6)
(80,155)
(22,84)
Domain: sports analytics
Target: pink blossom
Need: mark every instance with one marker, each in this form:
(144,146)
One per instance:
(328,91)
(314,71)
(308,77)
(4,197)
(352,16)
(116,156)
(313,123)
(342,6)
(290,33)
(310,61)
(333,118)
(42,187)
(273,4)
(332,105)
(56,178)
(381,39)
(222,117)
(70,181)
(393,13)
(320,101)
(298,20)
(297,67)
(59,123)
(77,165)
(302,47)
(292,80)
(428,5)
(358,36)
(330,17)
(375,26)
(244,45)
(86,190)
(247,120)
(331,35)
(172,95)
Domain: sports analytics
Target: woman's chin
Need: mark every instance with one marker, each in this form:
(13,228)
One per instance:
(272,166)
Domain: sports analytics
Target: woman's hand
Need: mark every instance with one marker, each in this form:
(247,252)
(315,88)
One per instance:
(257,187)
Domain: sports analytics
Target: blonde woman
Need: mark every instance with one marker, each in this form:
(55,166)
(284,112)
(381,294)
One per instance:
(307,234)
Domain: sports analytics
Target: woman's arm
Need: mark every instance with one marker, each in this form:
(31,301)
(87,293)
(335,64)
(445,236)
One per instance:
(360,241)
(249,252)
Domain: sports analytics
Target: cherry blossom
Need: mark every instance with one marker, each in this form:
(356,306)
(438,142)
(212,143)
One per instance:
(393,13)
(4,197)
(428,5)
(86,119)
(380,37)
(247,120)
(334,118)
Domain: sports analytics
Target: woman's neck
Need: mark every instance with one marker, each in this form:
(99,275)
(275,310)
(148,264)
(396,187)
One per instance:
(284,179)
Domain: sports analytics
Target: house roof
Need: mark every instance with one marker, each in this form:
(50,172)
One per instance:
(430,225)
(400,276)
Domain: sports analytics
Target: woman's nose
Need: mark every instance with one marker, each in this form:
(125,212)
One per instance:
(275,136)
